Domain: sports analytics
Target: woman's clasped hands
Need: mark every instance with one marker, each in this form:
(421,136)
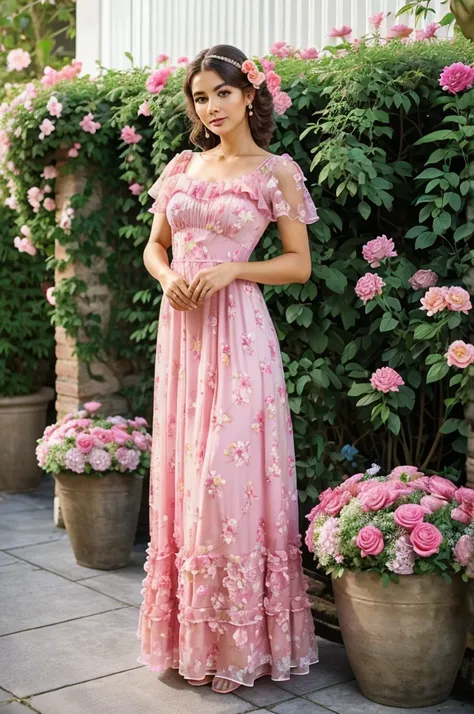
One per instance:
(205,283)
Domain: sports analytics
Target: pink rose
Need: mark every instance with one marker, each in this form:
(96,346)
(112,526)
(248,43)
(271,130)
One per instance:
(336,501)
(17,60)
(54,107)
(457,299)
(431,504)
(465,495)
(410,471)
(309,53)
(368,286)
(461,515)
(85,443)
(49,204)
(135,188)
(140,440)
(248,66)
(129,135)
(101,436)
(144,109)
(457,77)
(399,31)
(386,379)
(162,58)
(46,128)
(88,124)
(373,497)
(370,541)
(50,296)
(409,515)
(49,172)
(92,406)
(378,249)
(157,80)
(420,484)
(273,82)
(343,31)
(426,539)
(434,300)
(441,487)
(430,30)
(120,436)
(460,354)
(463,551)
(377,19)
(351,484)
(24,245)
(423,279)
(281,102)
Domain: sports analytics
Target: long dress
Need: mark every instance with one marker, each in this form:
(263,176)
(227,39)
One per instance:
(224,592)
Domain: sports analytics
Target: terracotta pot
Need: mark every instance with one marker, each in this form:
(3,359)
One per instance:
(100,515)
(405,642)
(22,422)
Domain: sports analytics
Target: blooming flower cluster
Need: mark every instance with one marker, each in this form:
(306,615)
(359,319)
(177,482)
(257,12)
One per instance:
(401,524)
(84,442)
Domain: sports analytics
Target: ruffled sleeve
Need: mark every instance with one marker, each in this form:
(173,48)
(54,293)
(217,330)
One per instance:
(161,189)
(287,194)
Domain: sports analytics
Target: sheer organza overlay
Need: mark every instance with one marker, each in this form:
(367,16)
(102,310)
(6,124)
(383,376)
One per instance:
(224,592)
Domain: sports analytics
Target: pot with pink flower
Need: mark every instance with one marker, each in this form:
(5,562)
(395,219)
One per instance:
(400,550)
(99,464)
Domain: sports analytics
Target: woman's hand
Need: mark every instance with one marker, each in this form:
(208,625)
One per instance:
(175,288)
(209,280)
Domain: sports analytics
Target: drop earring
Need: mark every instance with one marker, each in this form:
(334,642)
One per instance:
(250,110)
(206,133)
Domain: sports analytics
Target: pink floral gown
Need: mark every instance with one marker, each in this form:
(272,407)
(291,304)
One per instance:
(224,592)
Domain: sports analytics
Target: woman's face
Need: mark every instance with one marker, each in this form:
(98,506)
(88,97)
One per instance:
(220,106)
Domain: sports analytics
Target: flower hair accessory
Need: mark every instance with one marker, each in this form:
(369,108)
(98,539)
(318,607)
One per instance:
(255,77)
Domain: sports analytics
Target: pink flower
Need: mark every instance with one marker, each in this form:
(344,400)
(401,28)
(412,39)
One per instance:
(431,504)
(465,496)
(50,77)
(328,539)
(273,82)
(343,31)
(460,354)
(35,195)
(374,498)
(398,31)
(17,60)
(157,80)
(442,488)
(461,515)
(426,539)
(337,500)
(434,300)
(309,53)
(376,20)
(267,65)
(183,60)
(280,49)
(378,249)
(410,471)
(92,407)
(49,204)
(463,551)
(423,279)
(386,379)
(229,530)
(50,296)
(430,30)
(129,135)
(136,188)
(457,77)
(281,102)
(24,245)
(457,299)
(88,124)
(73,152)
(404,561)
(368,286)
(351,484)
(99,459)
(409,515)
(46,128)
(161,58)
(119,436)
(65,220)
(74,461)
(140,440)
(144,109)
(101,436)
(49,172)
(26,231)
(370,541)
(85,443)
(54,107)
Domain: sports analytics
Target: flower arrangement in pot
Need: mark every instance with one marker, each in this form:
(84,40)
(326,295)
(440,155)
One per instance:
(99,464)
(400,550)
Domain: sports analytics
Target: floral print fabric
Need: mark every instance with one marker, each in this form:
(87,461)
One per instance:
(224,592)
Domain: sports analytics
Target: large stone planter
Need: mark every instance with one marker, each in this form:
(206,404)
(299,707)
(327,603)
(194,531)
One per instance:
(22,423)
(405,642)
(100,515)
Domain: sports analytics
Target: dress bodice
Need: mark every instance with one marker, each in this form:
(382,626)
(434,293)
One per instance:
(224,220)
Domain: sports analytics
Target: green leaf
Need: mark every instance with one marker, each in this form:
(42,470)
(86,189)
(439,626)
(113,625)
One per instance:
(440,135)
(425,240)
(364,209)
(394,423)
(302,382)
(430,174)
(357,389)
(388,323)
(437,372)
(293,311)
(369,399)
(464,231)
(425,331)
(449,426)
(350,350)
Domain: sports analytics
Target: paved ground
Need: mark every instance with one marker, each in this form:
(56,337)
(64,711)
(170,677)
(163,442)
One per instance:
(68,646)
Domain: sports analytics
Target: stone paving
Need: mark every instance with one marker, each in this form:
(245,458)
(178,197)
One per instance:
(68,644)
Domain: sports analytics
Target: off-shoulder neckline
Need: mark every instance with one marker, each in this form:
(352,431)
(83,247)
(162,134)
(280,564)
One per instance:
(188,153)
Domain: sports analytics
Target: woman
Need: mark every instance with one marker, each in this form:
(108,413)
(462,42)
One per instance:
(224,598)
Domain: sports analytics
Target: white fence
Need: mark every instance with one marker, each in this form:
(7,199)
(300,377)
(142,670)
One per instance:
(106,29)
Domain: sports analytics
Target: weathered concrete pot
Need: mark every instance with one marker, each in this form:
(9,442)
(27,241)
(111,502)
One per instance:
(22,423)
(405,642)
(101,516)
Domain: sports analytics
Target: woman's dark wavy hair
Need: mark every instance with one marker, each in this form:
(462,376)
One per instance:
(261,122)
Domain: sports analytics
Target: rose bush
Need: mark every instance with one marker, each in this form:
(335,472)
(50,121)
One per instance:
(400,533)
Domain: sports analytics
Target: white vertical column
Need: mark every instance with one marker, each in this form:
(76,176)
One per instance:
(88,34)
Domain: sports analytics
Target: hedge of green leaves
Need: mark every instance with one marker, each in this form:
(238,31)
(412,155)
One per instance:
(386,152)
